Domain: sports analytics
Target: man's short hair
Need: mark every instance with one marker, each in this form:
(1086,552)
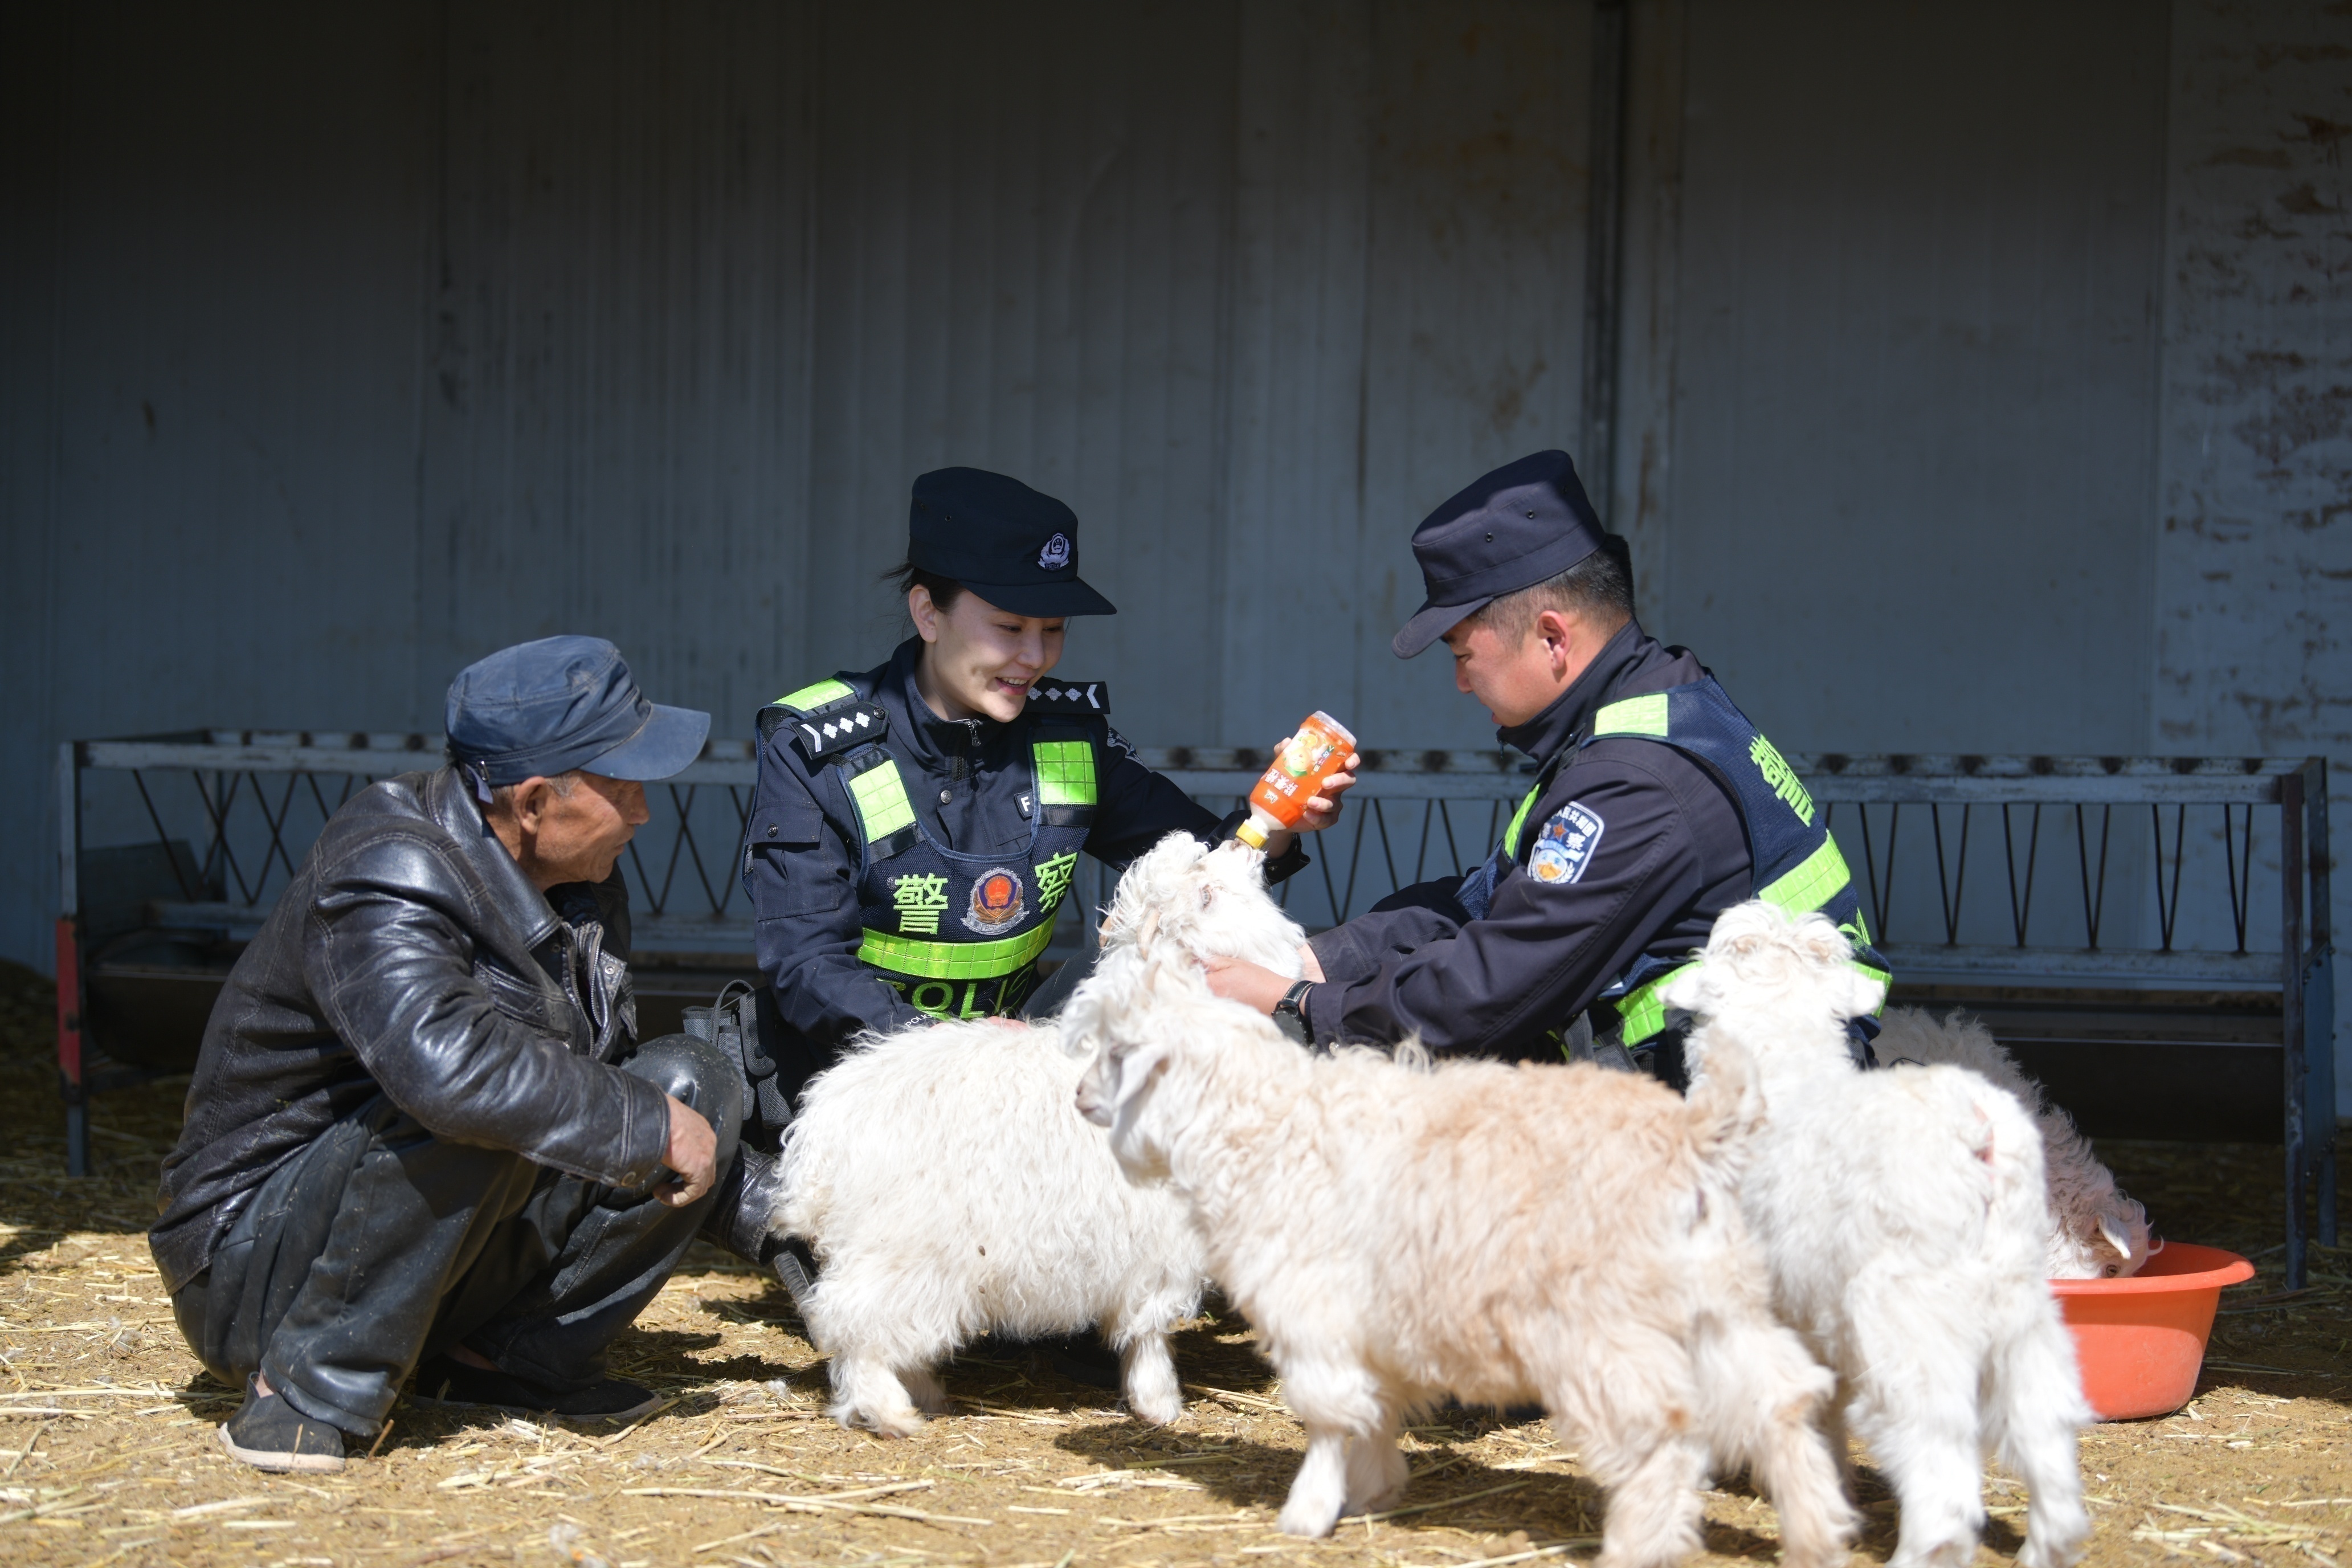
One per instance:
(1597,588)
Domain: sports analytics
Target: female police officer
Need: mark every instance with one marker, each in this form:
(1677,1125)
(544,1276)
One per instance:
(915,825)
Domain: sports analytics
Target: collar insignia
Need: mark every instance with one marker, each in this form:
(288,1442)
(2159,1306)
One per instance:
(1069,695)
(837,729)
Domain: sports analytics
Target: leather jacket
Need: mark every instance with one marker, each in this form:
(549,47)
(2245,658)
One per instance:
(410,957)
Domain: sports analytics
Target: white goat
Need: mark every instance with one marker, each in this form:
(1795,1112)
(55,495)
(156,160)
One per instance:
(1904,1216)
(1501,1233)
(2095,1231)
(950,1189)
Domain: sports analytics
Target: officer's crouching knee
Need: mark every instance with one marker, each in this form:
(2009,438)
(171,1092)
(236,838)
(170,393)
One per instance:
(702,1076)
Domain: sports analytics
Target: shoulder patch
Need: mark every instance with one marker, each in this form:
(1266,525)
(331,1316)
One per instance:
(838,728)
(1070,696)
(1565,846)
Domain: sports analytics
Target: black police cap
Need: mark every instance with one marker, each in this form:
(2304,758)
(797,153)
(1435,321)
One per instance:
(1013,547)
(1524,522)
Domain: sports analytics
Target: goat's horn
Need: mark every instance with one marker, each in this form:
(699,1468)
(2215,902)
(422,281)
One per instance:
(1151,925)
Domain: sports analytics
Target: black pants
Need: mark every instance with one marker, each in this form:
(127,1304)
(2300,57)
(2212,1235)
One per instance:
(380,1244)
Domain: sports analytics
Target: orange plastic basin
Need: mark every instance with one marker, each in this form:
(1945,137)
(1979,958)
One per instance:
(2141,1341)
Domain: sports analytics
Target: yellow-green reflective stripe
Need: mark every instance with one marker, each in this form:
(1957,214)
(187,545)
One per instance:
(1884,979)
(1518,820)
(815,696)
(1635,716)
(952,960)
(1066,772)
(883,808)
(1816,880)
(1640,1012)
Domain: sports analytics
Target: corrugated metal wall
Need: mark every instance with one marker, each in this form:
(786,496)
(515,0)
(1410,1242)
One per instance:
(2251,546)
(1982,363)
(1918,337)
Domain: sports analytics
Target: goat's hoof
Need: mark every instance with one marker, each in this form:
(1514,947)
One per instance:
(1312,1524)
(903,1423)
(2044,1554)
(1156,1410)
(1833,1557)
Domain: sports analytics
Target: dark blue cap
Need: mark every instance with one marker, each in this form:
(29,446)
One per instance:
(1524,522)
(1013,547)
(544,708)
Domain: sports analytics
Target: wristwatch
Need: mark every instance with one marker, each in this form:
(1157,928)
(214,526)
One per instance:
(1290,1015)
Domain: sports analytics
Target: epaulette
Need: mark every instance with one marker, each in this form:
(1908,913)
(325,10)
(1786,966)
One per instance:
(837,727)
(1069,695)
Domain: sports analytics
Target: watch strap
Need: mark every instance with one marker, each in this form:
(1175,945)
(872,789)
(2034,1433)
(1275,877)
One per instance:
(1290,1013)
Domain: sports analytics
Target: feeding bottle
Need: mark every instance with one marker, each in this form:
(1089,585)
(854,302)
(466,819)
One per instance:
(1320,749)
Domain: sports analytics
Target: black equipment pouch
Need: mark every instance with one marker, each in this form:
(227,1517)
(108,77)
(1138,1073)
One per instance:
(1577,1043)
(743,1024)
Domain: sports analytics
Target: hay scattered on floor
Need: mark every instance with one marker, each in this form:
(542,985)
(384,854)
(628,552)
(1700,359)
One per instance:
(108,1453)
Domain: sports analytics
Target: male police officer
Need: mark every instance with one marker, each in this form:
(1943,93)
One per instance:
(1656,806)
(420,1124)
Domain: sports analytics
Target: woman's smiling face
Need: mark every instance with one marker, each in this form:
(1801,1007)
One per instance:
(978,660)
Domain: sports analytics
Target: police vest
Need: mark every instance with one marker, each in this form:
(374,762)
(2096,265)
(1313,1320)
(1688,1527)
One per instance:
(1797,863)
(957,935)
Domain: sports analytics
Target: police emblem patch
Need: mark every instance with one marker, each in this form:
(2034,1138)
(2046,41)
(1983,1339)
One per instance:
(1056,554)
(997,902)
(1564,848)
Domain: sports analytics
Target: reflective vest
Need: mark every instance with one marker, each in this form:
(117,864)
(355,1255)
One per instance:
(1797,864)
(957,935)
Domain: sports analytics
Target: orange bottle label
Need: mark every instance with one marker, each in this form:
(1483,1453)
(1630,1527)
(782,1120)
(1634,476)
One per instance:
(1318,751)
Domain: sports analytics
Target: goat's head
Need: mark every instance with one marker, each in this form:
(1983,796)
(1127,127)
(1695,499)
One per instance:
(2120,1244)
(1205,902)
(1759,957)
(1120,1014)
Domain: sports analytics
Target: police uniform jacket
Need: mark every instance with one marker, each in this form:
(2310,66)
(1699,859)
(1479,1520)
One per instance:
(972,787)
(1614,869)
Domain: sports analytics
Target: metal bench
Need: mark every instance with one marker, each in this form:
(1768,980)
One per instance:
(2208,973)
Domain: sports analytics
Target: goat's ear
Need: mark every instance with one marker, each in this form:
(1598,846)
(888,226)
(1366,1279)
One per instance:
(2114,1236)
(1744,930)
(1822,941)
(1687,989)
(1134,1064)
(1865,994)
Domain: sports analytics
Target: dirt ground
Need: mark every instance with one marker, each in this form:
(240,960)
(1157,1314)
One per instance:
(108,1452)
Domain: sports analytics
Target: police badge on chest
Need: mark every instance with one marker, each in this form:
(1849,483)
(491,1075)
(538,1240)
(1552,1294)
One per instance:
(997,902)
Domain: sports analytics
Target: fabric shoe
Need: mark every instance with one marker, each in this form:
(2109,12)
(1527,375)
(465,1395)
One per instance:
(444,1380)
(270,1434)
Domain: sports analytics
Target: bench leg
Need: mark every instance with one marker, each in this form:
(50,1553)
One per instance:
(2297,1173)
(2326,1164)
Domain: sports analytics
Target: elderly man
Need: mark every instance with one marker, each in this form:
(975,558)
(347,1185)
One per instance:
(421,1128)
